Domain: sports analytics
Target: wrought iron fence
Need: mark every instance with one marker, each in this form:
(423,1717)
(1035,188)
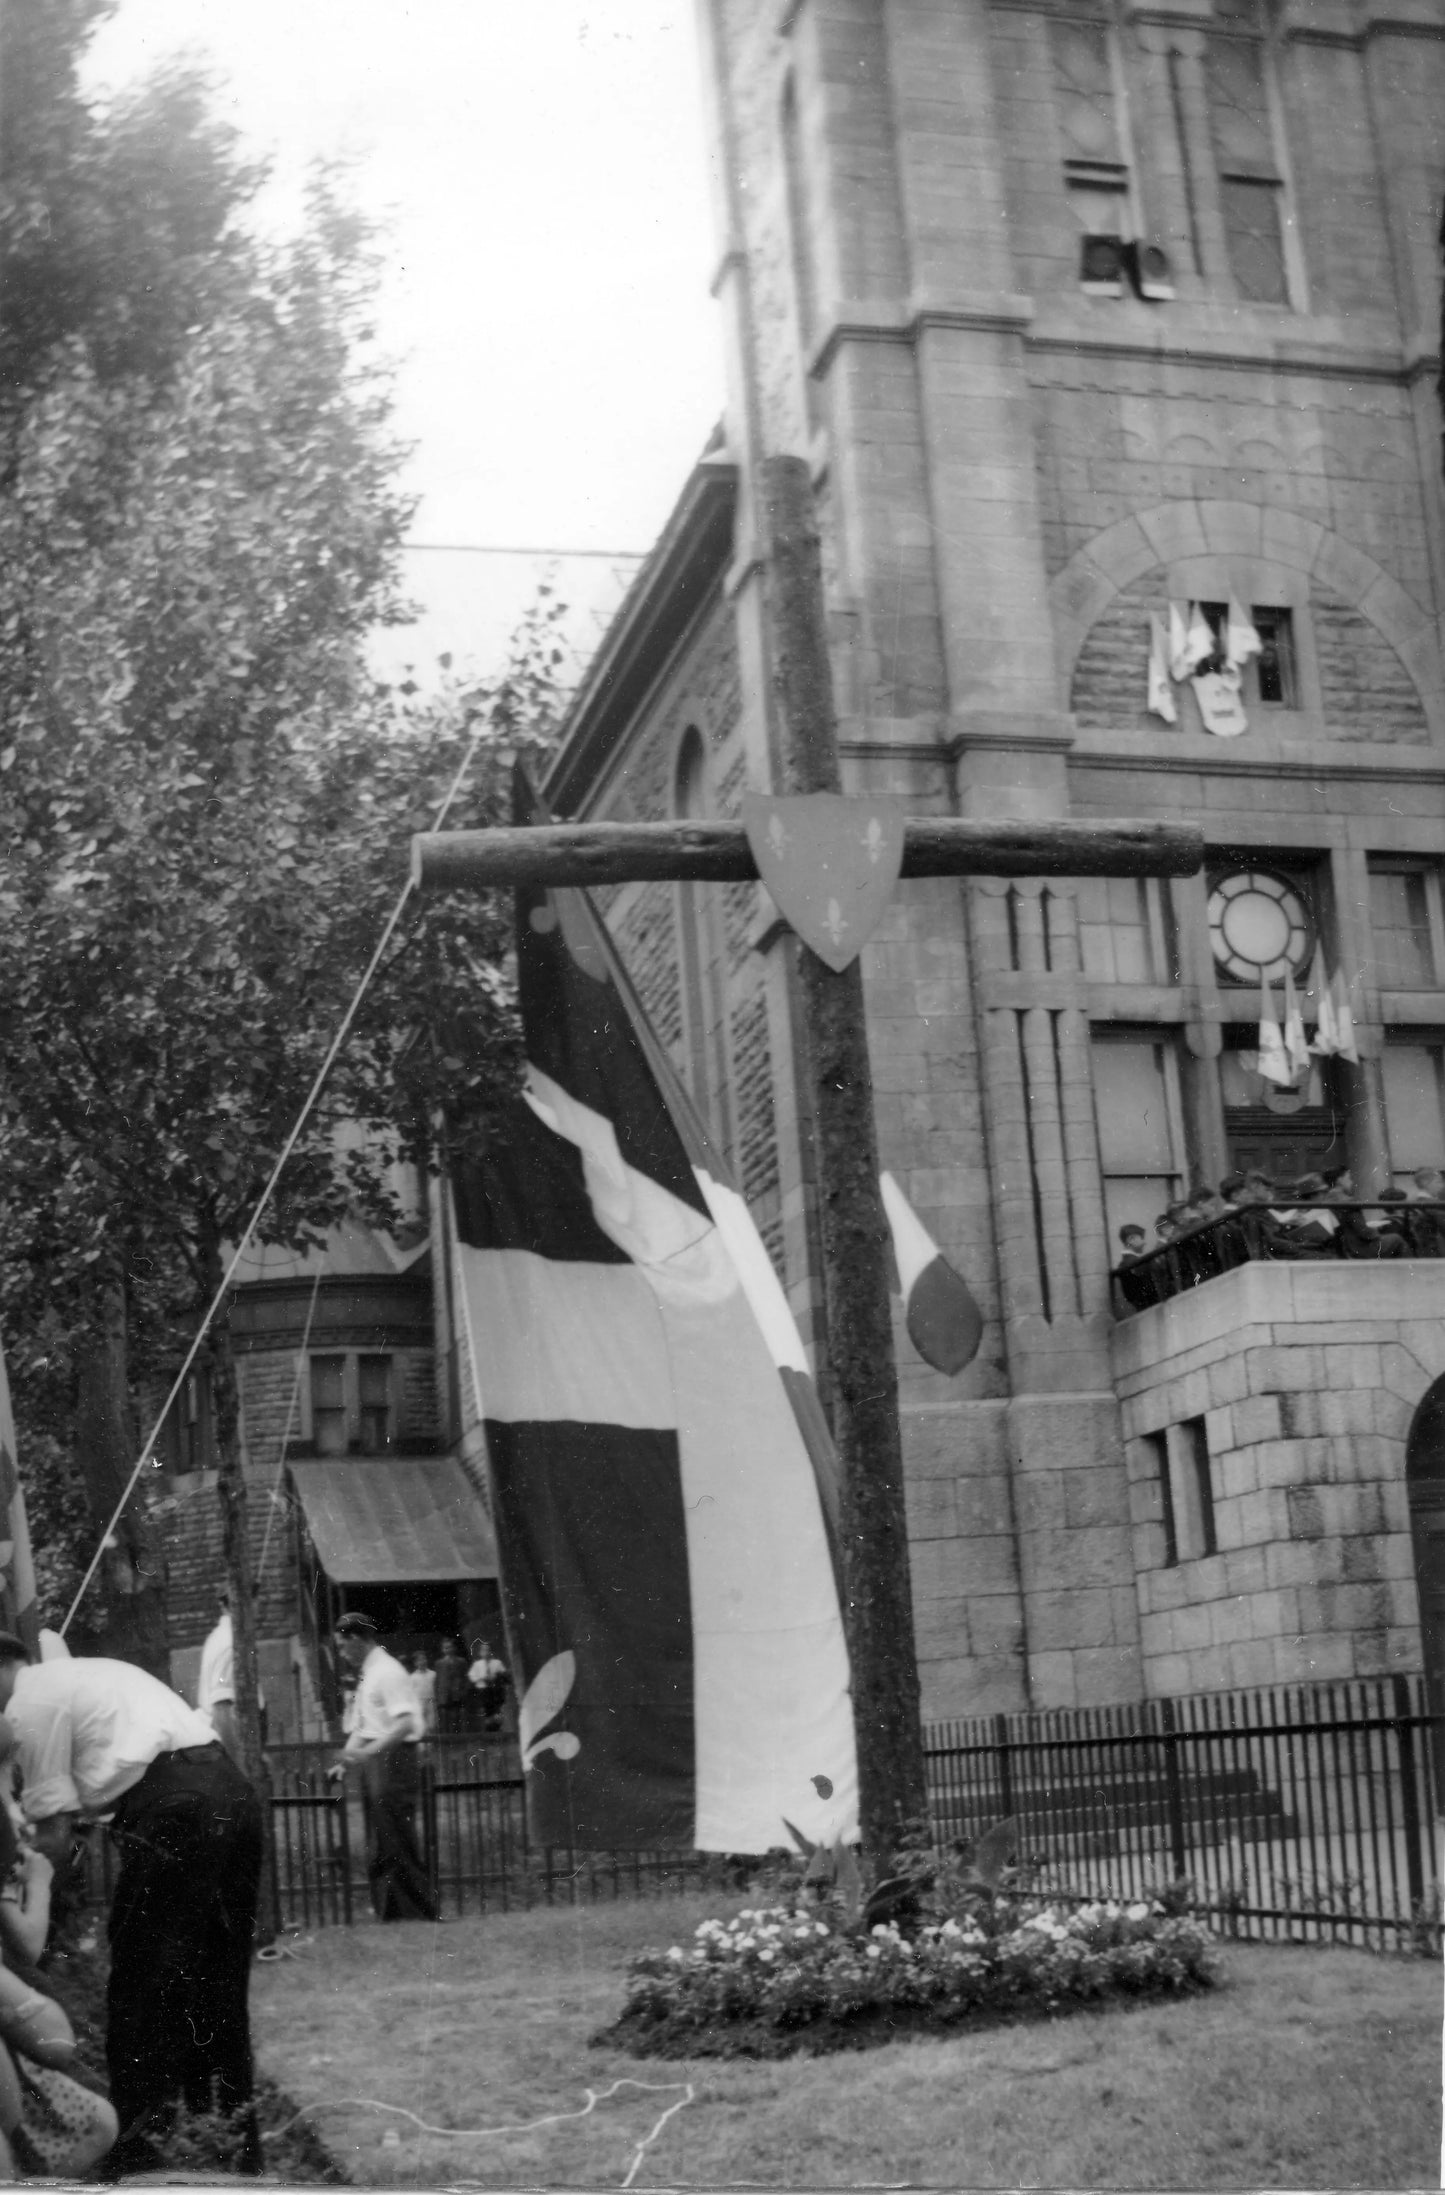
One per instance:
(1304,1814)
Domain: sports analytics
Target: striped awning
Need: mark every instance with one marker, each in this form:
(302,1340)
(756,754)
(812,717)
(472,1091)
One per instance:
(395,1521)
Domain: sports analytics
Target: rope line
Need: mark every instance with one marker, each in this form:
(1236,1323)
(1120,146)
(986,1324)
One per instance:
(595,2096)
(342,1033)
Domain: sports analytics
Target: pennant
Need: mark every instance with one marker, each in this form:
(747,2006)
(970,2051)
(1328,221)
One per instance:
(1273,1061)
(18,1610)
(1161,700)
(1241,640)
(1327,1037)
(1221,706)
(1297,1051)
(944,1323)
(1179,663)
(1344,1019)
(660,1469)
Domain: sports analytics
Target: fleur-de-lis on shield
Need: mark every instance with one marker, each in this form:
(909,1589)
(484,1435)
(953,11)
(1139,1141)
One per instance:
(873,839)
(778,836)
(835,923)
(543,1699)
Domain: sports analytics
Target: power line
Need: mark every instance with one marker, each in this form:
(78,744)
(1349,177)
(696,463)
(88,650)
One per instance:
(513,548)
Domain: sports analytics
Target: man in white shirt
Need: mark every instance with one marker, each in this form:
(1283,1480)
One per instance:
(386,1727)
(99,1737)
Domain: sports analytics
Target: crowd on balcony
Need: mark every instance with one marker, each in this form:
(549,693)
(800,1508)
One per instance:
(1249,1217)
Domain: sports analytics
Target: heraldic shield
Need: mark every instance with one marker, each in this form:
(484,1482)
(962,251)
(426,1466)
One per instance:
(830,863)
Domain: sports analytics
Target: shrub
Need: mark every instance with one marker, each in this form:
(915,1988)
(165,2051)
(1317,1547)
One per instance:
(789,1978)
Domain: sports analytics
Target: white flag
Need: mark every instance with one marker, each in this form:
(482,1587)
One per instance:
(1161,700)
(1327,1035)
(1344,1019)
(1273,1062)
(1297,1050)
(1201,643)
(1179,663)
(1241,641)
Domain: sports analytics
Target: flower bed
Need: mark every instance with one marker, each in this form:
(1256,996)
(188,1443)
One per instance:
(786,1979)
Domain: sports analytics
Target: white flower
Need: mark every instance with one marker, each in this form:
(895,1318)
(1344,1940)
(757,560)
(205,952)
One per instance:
(1137,1913)
(766,1956)
(874,1952)
(819,1928)
(676,1952)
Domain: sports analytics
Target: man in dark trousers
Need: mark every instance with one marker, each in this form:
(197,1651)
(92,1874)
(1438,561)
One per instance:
(386,1728)
(102,1737)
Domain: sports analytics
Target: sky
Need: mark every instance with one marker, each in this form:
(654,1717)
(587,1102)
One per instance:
(541,168)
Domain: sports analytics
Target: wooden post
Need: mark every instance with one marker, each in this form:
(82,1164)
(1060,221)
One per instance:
(877,1588)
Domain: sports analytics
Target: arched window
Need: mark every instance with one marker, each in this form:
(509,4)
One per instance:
(703,957)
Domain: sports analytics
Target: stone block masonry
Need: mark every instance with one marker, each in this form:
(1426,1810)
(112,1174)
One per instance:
(1303,1569)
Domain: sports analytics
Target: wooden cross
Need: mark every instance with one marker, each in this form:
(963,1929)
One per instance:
(873,1530)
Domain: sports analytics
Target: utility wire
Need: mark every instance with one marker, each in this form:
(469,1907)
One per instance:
(513,548)
(266,1194)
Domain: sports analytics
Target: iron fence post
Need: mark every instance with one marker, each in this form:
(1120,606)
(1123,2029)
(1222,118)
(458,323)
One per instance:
(1004,1751)
(1173,1792)
(1409,1791)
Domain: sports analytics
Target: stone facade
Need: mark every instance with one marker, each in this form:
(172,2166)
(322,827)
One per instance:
(1013,472)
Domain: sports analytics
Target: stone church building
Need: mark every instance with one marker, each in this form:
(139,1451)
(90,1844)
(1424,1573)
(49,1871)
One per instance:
(1109,330)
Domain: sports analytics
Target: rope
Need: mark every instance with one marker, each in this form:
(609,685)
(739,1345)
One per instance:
(342,1033)
(552,2118)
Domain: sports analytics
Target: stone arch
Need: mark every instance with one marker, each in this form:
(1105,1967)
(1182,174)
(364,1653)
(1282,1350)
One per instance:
(1171,533)
(1425,1486)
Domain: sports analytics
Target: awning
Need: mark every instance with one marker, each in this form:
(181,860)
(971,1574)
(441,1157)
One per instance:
(395,1522)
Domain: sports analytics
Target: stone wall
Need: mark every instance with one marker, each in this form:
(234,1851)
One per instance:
(1301,1382)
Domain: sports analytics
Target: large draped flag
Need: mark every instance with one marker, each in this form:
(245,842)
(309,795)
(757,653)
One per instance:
(18,1612)
(659,1465)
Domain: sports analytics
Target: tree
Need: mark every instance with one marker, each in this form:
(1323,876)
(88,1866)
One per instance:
(206,803)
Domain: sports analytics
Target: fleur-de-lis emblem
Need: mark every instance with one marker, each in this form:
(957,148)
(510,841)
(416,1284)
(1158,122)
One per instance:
(835,922)
(873,840)
(778,837)
(544,1699)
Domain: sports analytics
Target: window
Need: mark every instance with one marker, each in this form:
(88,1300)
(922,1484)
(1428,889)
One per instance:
(1408,942)
(1136,1106)
(1194,1491)
(374,1404)
(191,1424)
(328,1405)
(1250,184)
(1270,677)
(1157,1445)
(1414,1079)
(1088,101)
(1125,931)
(353,1405)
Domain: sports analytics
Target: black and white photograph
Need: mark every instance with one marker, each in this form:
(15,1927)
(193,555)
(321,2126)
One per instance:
(722,1093)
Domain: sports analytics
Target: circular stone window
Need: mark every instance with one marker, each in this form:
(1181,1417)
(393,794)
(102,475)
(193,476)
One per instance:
(1258,926)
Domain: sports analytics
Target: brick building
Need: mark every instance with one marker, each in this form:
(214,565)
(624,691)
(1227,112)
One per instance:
(1080,309)
(355,1498)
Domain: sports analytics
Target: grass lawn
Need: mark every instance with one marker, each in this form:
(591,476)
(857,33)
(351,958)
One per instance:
(1308,2069)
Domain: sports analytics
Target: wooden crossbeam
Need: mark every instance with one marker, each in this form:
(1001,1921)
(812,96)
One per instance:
(718,853)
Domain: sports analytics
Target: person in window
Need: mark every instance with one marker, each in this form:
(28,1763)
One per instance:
(386,1729)
(1362,1234)
(1137,1288)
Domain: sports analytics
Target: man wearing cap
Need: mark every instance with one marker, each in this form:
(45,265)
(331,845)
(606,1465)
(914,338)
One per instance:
(103,1738)
(386,1727)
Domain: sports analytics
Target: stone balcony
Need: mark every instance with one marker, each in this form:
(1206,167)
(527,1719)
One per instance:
(1265,1418)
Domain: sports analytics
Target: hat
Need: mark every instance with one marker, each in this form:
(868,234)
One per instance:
(353,1625)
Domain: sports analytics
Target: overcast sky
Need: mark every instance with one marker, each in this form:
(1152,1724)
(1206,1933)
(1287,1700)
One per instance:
(541,167)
